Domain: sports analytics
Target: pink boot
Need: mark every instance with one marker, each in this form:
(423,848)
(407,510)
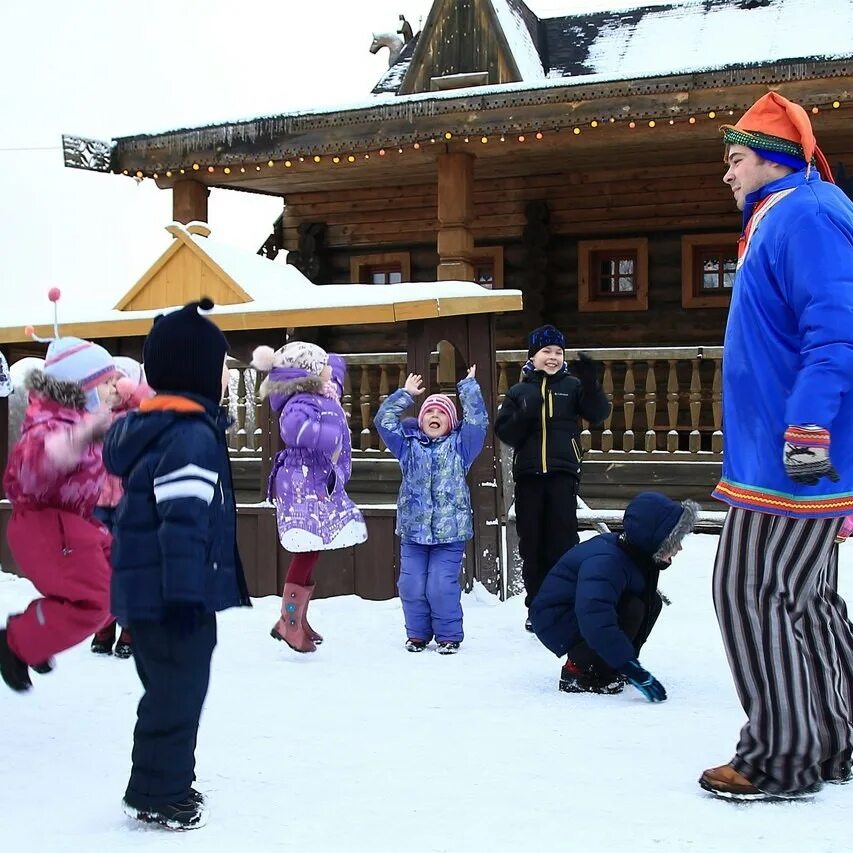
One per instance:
(317,638)
(290,628)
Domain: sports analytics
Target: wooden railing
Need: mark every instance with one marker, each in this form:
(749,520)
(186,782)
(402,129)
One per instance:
(667,401)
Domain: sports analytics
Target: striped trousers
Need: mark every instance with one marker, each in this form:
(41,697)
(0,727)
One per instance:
(789,645)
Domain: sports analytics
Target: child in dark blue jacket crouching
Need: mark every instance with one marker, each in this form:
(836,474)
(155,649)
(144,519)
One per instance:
(174,555)
(599,603)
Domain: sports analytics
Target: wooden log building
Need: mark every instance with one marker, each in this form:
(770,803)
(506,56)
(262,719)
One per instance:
(570,157)
(575,158)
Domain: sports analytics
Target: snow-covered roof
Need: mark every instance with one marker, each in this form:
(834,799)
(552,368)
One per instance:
(279,296)
(675,38)
(697,35)
(511,17)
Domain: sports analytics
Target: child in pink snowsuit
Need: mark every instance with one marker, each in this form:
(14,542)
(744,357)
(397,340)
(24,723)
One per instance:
(131,390)
(53,480)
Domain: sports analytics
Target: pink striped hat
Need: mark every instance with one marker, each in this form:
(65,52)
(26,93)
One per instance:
(75,360)
(444,404)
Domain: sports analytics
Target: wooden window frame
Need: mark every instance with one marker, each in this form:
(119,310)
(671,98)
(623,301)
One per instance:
(691,295)
(589,299)
(494,254)
(381,259)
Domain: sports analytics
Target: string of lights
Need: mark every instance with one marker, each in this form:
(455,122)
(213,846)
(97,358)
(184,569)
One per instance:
(534,134)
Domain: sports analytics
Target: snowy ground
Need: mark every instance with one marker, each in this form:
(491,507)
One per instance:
(364,747)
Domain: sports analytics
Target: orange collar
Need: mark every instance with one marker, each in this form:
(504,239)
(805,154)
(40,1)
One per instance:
(170,403)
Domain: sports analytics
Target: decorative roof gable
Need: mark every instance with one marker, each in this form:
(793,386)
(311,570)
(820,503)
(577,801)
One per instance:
(184,272)
(471,42)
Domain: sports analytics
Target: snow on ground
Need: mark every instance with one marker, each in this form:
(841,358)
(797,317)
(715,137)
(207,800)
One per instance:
(365,747)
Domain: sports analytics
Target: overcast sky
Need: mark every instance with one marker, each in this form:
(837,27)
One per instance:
(104,69)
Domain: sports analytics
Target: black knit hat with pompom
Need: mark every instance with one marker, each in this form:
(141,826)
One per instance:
(184,352)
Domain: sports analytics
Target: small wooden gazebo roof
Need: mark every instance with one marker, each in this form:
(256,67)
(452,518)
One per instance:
(253,292)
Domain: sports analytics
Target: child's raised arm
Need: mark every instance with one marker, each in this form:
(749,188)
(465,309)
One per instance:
(387,419)
(475,419)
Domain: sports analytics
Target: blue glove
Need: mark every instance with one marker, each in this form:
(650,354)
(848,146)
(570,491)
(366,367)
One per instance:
(644,681)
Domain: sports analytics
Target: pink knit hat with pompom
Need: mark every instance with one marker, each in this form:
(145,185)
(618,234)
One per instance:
(443,403)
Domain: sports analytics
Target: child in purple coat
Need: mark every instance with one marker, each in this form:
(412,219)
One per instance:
(306,485)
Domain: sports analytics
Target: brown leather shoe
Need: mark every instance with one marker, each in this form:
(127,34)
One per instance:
(724,781)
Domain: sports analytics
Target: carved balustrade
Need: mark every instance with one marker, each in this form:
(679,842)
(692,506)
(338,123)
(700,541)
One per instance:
(667,401)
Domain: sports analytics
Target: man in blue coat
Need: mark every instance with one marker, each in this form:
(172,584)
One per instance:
(599,603)
(787,459)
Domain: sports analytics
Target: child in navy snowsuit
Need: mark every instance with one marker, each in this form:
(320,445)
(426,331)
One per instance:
(175,558)
(434,518)
(599,603)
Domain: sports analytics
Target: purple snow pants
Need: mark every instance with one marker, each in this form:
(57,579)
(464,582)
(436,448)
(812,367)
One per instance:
(430,591)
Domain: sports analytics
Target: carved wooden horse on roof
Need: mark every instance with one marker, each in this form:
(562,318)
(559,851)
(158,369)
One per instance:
(393,41)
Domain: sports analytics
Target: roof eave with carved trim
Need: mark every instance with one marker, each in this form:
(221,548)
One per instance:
(402,119)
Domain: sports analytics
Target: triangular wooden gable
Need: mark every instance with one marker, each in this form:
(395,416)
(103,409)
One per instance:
(460,37)
(183,273)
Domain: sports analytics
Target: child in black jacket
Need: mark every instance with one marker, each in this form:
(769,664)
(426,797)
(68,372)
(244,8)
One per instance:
(540,419)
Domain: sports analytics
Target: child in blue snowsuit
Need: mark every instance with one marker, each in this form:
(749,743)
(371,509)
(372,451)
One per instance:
(434,518)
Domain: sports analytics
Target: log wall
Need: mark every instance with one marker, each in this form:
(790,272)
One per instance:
(660,202)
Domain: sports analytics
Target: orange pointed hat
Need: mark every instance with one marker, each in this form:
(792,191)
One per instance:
(775,125)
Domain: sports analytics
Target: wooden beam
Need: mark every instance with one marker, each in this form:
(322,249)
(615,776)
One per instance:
(455,214)
(189,201)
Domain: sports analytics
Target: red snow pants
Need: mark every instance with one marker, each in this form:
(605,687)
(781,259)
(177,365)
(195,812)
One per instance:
(67,558)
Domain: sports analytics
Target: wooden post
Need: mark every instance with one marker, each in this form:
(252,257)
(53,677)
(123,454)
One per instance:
(270,444)
(474,339)
(189,201)
(4,439)
(455,215)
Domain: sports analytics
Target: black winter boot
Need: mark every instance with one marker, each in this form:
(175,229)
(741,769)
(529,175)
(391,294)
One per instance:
(13,670)
(123,648)
(190,813)
(102,642)
(573,679)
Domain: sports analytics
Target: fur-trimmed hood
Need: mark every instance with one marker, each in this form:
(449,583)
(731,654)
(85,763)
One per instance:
(685,524)
(656,524)
(68,394)
(284,382)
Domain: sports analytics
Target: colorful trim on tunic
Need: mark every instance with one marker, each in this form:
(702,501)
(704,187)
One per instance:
(778,503)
